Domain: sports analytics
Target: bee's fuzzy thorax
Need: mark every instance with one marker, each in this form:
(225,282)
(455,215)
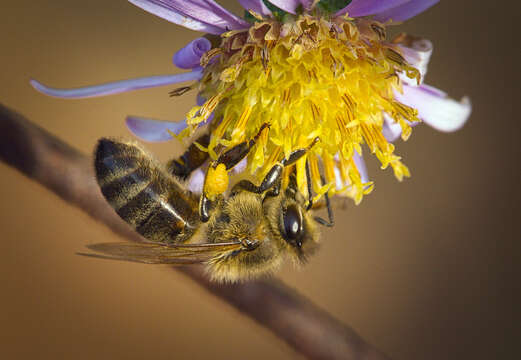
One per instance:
(242,218)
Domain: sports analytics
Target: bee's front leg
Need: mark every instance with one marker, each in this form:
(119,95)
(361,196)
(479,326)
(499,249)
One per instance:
(272,180)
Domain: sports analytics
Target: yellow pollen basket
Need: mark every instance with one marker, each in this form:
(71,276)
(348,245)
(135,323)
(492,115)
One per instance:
(216,181)
(331,78)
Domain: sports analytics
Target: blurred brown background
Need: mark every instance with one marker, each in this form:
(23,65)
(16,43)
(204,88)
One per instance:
(423,269)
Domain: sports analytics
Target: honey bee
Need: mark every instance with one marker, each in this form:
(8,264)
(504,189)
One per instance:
(247,233)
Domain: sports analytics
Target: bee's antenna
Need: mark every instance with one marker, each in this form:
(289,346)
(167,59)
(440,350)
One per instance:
(310,187)
(329,214)
(326,195)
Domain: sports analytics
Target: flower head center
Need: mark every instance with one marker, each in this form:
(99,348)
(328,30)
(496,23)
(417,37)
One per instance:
(312,76)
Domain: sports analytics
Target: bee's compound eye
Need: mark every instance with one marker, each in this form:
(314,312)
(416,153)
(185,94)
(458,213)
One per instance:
(292,225)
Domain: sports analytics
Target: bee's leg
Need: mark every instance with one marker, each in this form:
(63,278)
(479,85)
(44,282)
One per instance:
(297,154)
(235,154)
(272,180)
(192,158)
(204,208)
(216,180)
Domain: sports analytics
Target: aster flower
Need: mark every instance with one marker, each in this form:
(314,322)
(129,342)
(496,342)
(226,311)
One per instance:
(308,68)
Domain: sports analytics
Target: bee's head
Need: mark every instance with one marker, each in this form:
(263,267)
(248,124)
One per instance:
(292,225)
(270,227)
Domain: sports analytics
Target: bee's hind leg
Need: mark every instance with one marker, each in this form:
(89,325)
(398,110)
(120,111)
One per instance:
(191,160)
(216,180)
(235,154)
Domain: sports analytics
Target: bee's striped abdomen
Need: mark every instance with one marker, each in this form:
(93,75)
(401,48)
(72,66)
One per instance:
(144,194)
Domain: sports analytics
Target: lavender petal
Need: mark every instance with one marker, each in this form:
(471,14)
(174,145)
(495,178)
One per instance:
(256,5)
(196,181)
(417,55)
(118,86)
(189,56)
(359,8)
(435,108)
(391,129)
(176,17)
(362,168)
(405,11)
(241,166)
(153,130)
(201,15)
(307,4)
(200,100)
(286,5)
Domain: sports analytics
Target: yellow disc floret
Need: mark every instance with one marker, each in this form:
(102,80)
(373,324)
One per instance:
(308,77)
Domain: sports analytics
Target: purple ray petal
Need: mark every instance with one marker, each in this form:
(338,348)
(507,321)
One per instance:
(118,86)
(435,108)
(339,185)
(176,18)
(200,100)
(369,7)
(196,181)
(189,56)
(360,165)
(286,5)
(405,11)
(153,130)
(306,4)
(241,166)
(201,15)
(256,5)
(391,129)
(433,91)
(418,55)
(232,19)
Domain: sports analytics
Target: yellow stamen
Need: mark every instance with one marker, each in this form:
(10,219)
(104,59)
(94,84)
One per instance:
(205,59)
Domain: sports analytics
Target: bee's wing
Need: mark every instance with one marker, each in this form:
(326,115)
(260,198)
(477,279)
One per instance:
(162,254)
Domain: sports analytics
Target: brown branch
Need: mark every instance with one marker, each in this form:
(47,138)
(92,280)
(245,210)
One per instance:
(69,174)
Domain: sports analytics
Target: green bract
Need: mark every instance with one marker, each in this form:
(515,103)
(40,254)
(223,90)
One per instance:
(332,6)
